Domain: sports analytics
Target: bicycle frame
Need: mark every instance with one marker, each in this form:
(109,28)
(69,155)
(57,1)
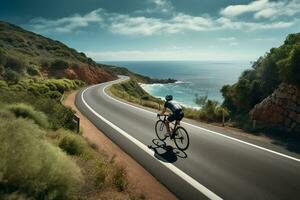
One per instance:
(164,119)
(180,138)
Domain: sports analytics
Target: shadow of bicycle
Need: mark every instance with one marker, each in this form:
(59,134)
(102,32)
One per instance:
(166,153)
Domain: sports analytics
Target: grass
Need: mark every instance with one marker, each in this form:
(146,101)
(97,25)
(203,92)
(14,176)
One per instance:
(132,92)
(27,111)
(33,166)
(40,159)
(119,179)
(72,144)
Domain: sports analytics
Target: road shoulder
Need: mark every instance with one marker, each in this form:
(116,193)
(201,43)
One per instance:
(262,140)
(139,179)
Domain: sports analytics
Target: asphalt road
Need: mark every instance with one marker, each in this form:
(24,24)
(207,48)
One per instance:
(215,166)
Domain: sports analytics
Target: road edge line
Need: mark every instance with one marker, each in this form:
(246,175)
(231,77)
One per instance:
(201,188)
(216,133)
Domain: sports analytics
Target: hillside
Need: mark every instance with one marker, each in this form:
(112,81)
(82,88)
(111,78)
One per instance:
(279,66)
(43,154)
(25,54)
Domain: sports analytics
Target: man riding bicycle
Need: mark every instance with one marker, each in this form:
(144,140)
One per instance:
(177,113)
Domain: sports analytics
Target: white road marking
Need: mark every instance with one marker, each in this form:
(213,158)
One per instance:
(219,134)
(170,166)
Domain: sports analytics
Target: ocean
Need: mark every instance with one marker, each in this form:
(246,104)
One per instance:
(193,77)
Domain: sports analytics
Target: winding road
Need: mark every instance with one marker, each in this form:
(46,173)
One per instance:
(215,166)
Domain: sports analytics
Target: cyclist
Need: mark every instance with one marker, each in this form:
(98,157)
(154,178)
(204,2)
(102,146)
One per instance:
(177,113)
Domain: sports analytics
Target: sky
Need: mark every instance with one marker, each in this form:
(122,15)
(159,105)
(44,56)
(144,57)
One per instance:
(111,30)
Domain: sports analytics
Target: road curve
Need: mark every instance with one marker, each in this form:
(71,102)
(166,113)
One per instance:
(215,166)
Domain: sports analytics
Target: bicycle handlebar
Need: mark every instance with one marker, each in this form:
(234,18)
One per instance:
(164,116)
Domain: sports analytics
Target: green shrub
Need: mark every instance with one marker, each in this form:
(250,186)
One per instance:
(290,67)
(26,111)
(2,70)
(3,84)
(32,71)
(191,113)
(2,58)
(38,88)
(5,114)
(14,196)
(59,64)
(59,116)
(32,166)
(119,178)
(101,173)
(54,95)
(15,64)
(45,63)
(72,144)
(11,76)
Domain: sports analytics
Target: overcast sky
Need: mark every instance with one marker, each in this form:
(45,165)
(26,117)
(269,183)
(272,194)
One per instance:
(160,29)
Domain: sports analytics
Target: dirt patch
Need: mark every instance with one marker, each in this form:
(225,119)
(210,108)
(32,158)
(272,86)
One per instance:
(140,180)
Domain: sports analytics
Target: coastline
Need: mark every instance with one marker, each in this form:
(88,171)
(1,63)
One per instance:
(147,87)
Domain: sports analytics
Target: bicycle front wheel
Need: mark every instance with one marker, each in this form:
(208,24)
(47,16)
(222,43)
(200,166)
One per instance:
(161,129)
(181,138)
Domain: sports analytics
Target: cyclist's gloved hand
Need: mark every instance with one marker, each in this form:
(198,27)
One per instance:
(158,114)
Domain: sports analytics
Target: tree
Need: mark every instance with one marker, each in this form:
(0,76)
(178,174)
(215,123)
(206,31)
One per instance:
(290,67)
(200,100)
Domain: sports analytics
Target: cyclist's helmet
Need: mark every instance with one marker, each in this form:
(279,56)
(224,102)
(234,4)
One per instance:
(169,97)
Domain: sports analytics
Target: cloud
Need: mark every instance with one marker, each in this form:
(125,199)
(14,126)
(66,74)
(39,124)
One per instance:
(163,5)
(228,23)
(264,9)
(235,10)
(227,39)
(177,22)
(67,24)
(234,44)
(127,25)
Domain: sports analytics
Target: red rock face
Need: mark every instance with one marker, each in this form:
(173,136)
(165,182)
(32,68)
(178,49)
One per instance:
(281,108)
(86,73)
(92,75)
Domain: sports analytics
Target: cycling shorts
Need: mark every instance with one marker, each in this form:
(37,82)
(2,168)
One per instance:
(177,115)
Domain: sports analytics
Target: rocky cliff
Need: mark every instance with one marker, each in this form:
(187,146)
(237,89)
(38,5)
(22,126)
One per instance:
(282,108)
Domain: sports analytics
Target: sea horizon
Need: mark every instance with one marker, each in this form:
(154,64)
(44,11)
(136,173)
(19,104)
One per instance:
(193,77)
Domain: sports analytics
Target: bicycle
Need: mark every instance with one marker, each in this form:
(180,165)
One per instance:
(178,133)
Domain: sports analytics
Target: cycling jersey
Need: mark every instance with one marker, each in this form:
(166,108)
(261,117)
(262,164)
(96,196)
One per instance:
(176,109)
(173,106)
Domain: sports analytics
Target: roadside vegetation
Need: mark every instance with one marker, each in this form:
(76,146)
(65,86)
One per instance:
(279,65)
(132,92)
(211,111)
(41,155)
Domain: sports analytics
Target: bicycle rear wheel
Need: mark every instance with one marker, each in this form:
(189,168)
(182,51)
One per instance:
(181,138)
(161,129)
